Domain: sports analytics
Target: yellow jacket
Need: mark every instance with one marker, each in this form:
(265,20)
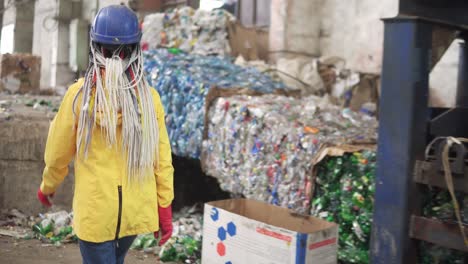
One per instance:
(105,206)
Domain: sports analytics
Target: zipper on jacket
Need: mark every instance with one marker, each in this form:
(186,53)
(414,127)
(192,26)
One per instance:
(119,219)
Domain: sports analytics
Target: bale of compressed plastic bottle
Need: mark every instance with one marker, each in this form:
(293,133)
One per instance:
(263,147)
(183,81)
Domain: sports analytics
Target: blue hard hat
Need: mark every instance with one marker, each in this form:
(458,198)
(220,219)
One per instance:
(115,24)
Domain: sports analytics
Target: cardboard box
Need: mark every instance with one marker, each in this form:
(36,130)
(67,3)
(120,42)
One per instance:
(241,231)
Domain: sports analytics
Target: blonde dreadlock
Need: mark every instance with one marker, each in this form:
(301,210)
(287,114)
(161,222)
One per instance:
(122,89)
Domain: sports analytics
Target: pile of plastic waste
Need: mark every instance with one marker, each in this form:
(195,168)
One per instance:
(42,103)
(13,106)
(198,31)
(344,194)
(438,205)
(301,74)
(263,147)
(55,228)
(183,81)
(261,66)
(5,107)
(185,244)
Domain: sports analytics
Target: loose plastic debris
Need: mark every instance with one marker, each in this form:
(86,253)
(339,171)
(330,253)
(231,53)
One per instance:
(43,104)
(438,205)
(183,81)
(301,73)
(261,66)
(183,249)
(55,228)
(339,81)
(14,217)
(185,244)
(344,194)
(14,223)
(263,147)
(198,31)
(12,106)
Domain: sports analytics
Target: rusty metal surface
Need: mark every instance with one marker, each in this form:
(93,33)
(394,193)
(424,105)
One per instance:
(428,173)
(440,233)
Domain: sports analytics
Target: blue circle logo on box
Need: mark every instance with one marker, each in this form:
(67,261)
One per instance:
(214,214)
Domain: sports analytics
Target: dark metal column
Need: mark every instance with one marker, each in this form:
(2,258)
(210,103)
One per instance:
(404,116)
(462,85)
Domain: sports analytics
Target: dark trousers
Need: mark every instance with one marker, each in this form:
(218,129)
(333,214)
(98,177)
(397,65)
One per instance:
(110,252)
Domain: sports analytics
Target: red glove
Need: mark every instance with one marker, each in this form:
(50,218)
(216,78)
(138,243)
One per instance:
(44,199)
(165,224)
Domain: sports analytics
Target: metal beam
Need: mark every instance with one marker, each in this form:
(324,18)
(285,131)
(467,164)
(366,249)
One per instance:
(462,85)
(404,115)
(450,12)
(451,123)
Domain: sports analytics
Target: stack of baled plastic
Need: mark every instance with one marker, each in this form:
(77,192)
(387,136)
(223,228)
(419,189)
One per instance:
(263,147)
(183,81)
(198,31)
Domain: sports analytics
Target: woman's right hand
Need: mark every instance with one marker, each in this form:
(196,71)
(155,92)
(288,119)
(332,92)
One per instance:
(45,199)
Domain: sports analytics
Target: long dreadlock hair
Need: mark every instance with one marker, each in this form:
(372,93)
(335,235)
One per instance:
(116,84)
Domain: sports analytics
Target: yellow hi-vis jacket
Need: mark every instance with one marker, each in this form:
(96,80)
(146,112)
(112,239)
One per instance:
(105,205)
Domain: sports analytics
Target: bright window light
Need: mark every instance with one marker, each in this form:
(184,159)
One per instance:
(210,4)
(6,45)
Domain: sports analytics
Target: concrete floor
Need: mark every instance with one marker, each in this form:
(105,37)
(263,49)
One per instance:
(18,251)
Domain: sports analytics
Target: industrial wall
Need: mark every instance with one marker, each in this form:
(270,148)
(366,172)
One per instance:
(295,28)
(352,30)
(349,29)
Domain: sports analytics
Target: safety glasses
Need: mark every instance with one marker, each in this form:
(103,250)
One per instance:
(122,51)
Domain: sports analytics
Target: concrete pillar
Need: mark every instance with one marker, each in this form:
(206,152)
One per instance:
(24,25)
(62,75)
(21,17)
(52,41)
(44,35)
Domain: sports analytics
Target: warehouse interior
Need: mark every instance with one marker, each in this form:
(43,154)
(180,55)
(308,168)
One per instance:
(301,131)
